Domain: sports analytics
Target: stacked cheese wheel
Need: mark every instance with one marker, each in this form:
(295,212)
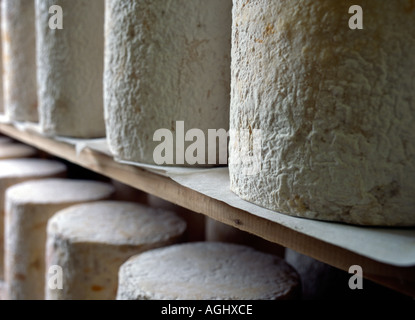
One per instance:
(322,116)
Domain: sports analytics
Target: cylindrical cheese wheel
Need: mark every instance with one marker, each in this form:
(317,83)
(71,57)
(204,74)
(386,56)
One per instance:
(206,271)
(91,241)
(19,60)
(70,68)
(16,150)
(167,62)
(29,205)
(322,116)
(15,171)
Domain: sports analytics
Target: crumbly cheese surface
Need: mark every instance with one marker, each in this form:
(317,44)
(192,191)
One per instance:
(336,108)
(165,61)
(70,68)
(19,60)
(206,271)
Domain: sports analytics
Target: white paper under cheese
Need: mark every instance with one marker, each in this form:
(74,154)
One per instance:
(19,60)
(29,205)
(16,171)
(165,61)
(91,241)
(206,271)
(70,68)
(335,106)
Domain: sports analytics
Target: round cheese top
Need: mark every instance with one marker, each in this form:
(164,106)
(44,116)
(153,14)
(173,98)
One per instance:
(52,191)
(206,271)
(17,168)
(116,222)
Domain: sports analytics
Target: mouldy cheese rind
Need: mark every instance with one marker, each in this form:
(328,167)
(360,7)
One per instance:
(165,61)
(19,60)
(335,108)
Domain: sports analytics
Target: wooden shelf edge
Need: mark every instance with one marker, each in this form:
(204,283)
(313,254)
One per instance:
(397,278)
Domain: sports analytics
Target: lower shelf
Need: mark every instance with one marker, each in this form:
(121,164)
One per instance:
(399,278)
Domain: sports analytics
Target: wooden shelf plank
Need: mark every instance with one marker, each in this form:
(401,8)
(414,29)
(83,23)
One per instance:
(398,278)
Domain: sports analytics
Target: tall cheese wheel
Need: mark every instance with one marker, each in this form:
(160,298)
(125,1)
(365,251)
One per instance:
(16,150)
(207,271)
(19,60)
(166,62)
(29,205)
(15,171)
(327,112)
(70,68)
(90,242)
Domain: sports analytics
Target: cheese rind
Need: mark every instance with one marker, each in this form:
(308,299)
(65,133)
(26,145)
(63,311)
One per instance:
(19,60)
(29,206)
(165,62)
(206,271)
(335,108)
(70,69)
(16,171)
(91,241)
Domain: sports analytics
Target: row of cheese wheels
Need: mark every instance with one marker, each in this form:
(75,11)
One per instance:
(320,116)
(68,239)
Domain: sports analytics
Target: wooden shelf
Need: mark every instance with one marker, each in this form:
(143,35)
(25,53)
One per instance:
(401,279)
